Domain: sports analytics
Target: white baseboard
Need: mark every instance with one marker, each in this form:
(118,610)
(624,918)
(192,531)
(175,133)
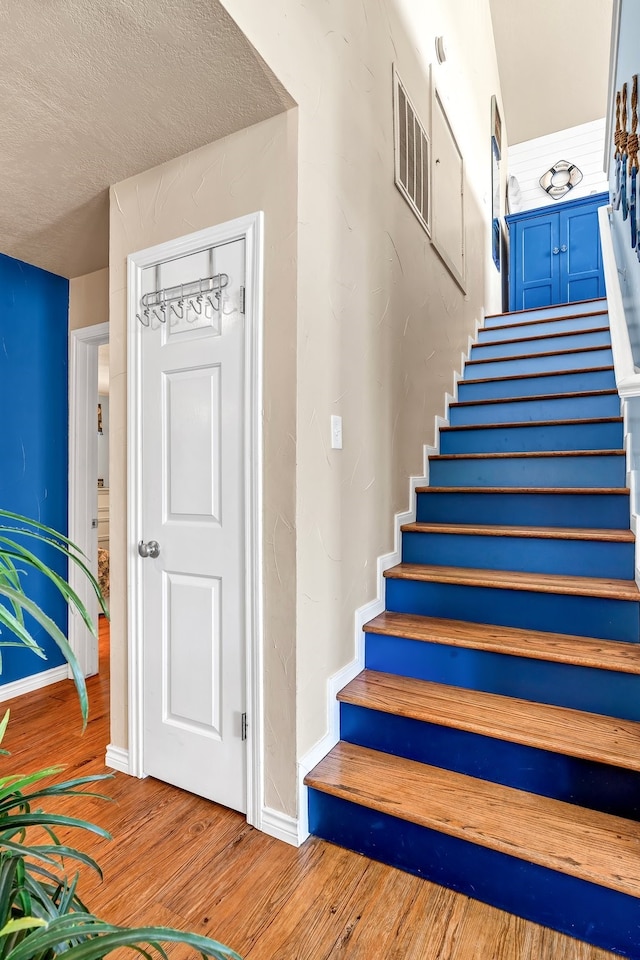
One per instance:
(280,825)
(15,688)
(117,758)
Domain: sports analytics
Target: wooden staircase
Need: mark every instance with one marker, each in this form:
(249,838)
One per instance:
(492,743)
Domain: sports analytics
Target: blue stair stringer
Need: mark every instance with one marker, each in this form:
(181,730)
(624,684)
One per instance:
(516,581)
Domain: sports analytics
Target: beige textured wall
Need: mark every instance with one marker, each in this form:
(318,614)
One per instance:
(381,324)
(89,299)
(248,171)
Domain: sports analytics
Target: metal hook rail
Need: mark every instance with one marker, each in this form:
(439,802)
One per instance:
(194,292)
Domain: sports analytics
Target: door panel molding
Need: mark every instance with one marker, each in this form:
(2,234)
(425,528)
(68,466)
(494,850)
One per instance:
(249,228)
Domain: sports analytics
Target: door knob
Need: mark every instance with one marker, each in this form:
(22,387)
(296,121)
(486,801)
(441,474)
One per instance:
(556,250)
(150,549)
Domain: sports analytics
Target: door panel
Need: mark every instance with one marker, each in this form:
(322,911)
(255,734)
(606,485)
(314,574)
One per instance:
(582,261)
(193,505)
(536,277)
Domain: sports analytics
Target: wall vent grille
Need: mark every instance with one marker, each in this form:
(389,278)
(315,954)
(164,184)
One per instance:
(412,155)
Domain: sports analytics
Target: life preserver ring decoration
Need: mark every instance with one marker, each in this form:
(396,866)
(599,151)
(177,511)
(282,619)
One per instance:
(560,178)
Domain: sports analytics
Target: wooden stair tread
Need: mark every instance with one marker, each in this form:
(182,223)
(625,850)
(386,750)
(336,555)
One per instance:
(563,316)
(540,336)
(533,323)
(528,453)
(579,491)
(533,399)
(533,644)
(576,733)
(515,580)
(532,356)
(594,846)
(530,423)
(546,533)
(537,373)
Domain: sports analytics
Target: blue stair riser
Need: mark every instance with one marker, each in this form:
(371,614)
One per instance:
(537,386)
(600,617)
(594,785)
(584,910)
(516,348)
(577,558)
(545,313)
(541,328)
(519,411)
(506,439)
(576,360)
(538,471)
(610,511)
(560,684)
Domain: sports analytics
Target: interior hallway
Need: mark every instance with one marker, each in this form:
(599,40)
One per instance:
(181,861)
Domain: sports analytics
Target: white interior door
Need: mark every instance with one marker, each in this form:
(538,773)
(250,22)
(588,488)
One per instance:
(193,505)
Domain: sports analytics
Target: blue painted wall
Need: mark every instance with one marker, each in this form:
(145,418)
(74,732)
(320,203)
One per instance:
(628,264)
(34,307)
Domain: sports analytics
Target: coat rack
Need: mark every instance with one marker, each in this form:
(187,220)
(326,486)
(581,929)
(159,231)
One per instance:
(181,300)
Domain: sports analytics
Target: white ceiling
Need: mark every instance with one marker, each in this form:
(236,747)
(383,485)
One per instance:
(553,57)
(94,92)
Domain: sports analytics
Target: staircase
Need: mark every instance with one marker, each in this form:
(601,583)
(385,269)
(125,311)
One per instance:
(492,742)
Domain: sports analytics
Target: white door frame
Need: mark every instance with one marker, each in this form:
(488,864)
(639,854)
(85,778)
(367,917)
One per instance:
(249,228)
(83,476)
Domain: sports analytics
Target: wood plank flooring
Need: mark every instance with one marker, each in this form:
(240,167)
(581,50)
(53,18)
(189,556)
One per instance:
(178,860)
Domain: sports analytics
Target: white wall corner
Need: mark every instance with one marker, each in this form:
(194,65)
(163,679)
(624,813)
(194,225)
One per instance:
(117,758)
(16,688)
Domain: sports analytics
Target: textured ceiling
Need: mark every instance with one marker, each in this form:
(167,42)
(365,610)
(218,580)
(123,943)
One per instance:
(94,91)
(553,57)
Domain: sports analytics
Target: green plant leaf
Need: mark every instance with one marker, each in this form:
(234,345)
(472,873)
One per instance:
(20,821)
(21,923)
(99,938)
(58,637)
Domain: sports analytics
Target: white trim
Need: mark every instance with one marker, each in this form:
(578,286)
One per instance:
(460,276)
(117,758)
(251,229)
(15,688)
(83,473)
(627,378)
(611,92)
(279,825)
(367,612)
(406,193)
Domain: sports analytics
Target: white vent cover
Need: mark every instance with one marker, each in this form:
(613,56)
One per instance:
(412,155)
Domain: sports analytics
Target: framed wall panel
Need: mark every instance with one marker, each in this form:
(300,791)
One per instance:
(447,192)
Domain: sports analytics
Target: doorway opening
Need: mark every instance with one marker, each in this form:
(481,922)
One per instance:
(89,485)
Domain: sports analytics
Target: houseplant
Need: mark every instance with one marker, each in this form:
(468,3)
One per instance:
(41,913)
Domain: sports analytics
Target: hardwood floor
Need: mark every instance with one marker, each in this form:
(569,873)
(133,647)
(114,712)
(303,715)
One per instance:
(181,861)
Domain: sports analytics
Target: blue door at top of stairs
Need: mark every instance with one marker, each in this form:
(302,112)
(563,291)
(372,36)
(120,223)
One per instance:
(555,254)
